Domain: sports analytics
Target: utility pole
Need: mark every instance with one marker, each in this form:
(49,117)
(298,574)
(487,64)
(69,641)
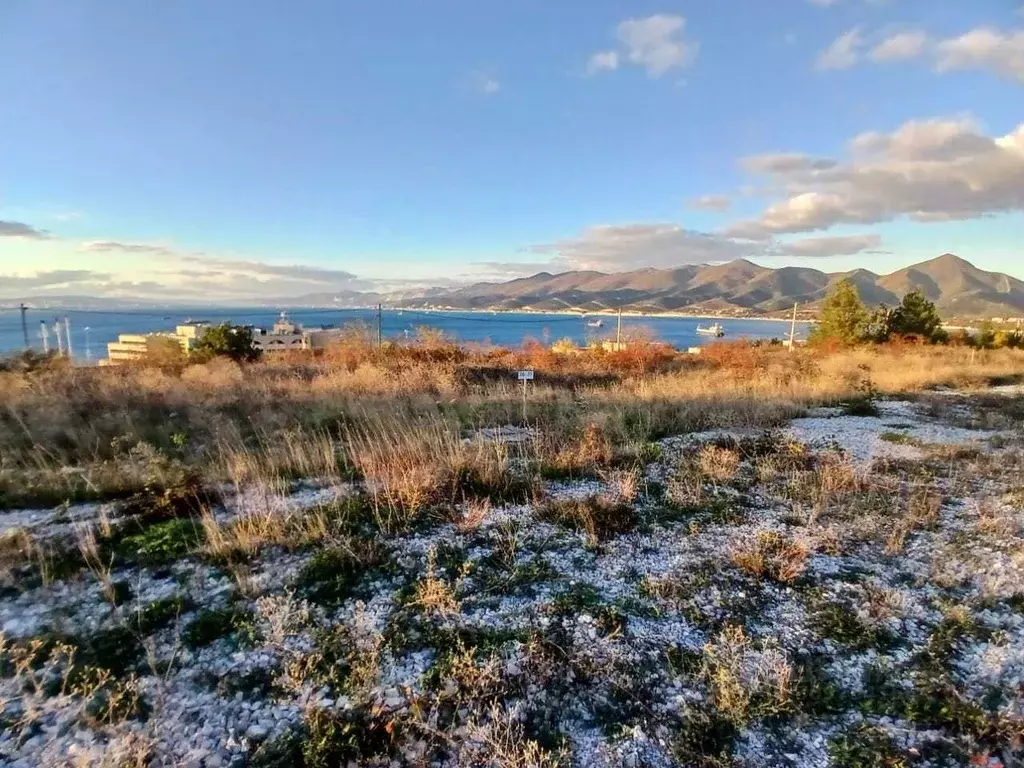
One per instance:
(618,332)
(60,337)
(24,324)
(792,331)
(44,336)
(380,334)
(67,337)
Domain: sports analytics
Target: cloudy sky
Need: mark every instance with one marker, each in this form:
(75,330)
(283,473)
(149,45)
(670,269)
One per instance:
(253,148)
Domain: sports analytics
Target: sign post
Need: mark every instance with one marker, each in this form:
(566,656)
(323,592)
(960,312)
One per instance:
(525,377)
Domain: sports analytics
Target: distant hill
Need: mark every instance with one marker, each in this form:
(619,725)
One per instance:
(956,286)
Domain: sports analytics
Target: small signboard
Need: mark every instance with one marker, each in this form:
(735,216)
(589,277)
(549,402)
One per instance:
(526,375)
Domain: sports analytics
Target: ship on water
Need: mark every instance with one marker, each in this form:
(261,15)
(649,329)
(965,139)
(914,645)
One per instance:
(716,331)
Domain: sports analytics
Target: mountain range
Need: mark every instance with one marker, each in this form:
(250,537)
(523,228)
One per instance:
(958,288)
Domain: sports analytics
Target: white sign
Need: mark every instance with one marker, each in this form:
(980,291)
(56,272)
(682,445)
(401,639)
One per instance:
(526,375)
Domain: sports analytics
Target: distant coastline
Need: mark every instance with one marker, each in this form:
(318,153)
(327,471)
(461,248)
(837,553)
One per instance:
(632,314)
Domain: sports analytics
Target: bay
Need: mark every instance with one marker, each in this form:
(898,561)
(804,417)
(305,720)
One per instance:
(91,330)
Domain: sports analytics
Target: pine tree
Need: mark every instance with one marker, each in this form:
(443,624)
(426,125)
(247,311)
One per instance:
(843,317)
(917,316)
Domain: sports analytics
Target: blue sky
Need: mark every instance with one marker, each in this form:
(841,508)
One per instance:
(201,147)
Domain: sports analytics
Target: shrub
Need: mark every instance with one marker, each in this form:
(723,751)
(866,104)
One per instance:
(226,340)
(163,543)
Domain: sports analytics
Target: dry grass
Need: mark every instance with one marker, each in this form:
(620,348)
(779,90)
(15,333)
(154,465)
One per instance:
(473,515)
(50,679)
(433,595)
(410,466)
(746,681)
(771,555)
(68,433)
(623,485)
(719,464)
(498,739)
(918,511)
(598,517)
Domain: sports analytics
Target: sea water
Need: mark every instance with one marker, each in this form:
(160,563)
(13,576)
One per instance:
(91,330)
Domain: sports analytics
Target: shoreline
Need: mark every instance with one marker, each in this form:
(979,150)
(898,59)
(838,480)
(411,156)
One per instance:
(603,313)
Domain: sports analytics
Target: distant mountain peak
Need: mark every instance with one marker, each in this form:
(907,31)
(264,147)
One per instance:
(949,258)
(740,287)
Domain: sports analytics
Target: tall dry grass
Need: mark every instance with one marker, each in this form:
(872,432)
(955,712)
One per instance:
(375,412)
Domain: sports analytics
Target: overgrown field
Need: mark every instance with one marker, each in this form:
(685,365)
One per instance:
(756,558)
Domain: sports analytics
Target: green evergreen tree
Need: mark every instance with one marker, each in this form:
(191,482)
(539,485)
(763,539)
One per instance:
(843,317)
(917,316)
(226,340)
(986,336)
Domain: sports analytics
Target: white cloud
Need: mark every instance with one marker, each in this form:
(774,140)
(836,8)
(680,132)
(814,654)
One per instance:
(114,246)
(840,245)
(981,49)
(298,273)
(900,47)
(624,247)
(18,286)
(844,51)
(945,139)
(633,246)
(785,162)
(603,61)
(483,81)
(20,230)
(656,43)
(199,275)
(716,203)
(984,49)
(933,170)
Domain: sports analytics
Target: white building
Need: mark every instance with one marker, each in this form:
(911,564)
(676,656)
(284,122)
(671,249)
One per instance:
(285,336)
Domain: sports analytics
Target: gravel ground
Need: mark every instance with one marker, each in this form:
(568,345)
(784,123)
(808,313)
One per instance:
(641,621)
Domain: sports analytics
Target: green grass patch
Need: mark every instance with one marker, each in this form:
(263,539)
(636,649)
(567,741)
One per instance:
(333,574)
(162,543)
(211,625)
(161,613)
(900,438)
(838,622)
(865,746)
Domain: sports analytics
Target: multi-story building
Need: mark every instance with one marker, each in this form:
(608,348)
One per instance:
(285,335)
